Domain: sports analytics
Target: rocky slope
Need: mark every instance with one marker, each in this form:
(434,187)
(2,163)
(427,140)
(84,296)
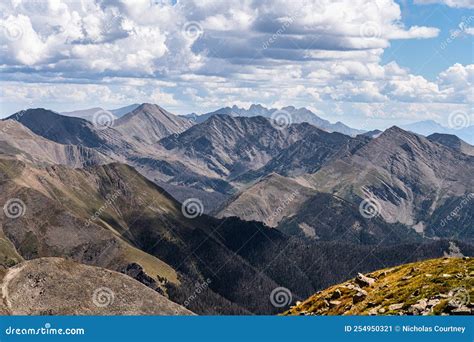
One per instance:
(308,155)
(406,176)
(226,146)
(432,287)
(19,142)
(324,217)
(55,286)
(269,200)
(149,123)
(61,129)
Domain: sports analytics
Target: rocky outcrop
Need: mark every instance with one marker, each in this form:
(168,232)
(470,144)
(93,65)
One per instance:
(432,287)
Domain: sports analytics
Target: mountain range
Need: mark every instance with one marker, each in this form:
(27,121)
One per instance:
(289,114)
(429,127)
(234,205)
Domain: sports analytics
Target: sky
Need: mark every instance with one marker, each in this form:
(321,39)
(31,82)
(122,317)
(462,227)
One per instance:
(370,64)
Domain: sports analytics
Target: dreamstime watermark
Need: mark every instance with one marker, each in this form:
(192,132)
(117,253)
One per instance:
(459,120)
(281,30)
(370,30)
(110,200)
(283,204)
(14,208)
(46,330)
(9,123)
(192,30)
(455,212)
(370,208)
(192,121)
(459,296)
(103,297)
(281,119)
(200,288)
(103,119)
(192,208)
(281,297)
(12,30)
(462,28)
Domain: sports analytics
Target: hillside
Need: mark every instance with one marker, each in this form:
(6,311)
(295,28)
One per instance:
(308,155)
(55,286)
(431,287)
(411,179)
(17,141)
(269,200)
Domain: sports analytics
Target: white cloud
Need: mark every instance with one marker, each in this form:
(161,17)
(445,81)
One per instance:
(196,55)
(469,30)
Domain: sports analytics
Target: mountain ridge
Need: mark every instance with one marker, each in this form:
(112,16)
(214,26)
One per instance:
(291,114)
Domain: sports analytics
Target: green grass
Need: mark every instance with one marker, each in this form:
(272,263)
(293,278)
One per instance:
(426,280)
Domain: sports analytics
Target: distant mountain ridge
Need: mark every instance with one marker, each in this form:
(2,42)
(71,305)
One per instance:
(429,127)
(295,115)
(453,142)
(89,113)
(228,146)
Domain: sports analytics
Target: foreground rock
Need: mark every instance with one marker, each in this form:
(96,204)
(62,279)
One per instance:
(55,286)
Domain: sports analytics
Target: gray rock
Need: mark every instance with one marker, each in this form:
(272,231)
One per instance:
(363,281)
(394,307)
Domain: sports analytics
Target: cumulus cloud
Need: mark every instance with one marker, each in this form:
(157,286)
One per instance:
(210,53)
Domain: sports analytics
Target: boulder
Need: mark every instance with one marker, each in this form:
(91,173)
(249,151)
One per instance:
(363,281)
(394,307)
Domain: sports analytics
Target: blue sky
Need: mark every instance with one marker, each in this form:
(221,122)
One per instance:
(368,63)
(425,56)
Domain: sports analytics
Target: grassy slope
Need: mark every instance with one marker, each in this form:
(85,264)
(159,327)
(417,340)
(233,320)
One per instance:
(407,284)
(78,191)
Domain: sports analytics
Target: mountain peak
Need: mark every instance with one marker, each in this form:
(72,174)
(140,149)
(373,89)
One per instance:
(43,115)
(394,130)
(150,123)
(148,106)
